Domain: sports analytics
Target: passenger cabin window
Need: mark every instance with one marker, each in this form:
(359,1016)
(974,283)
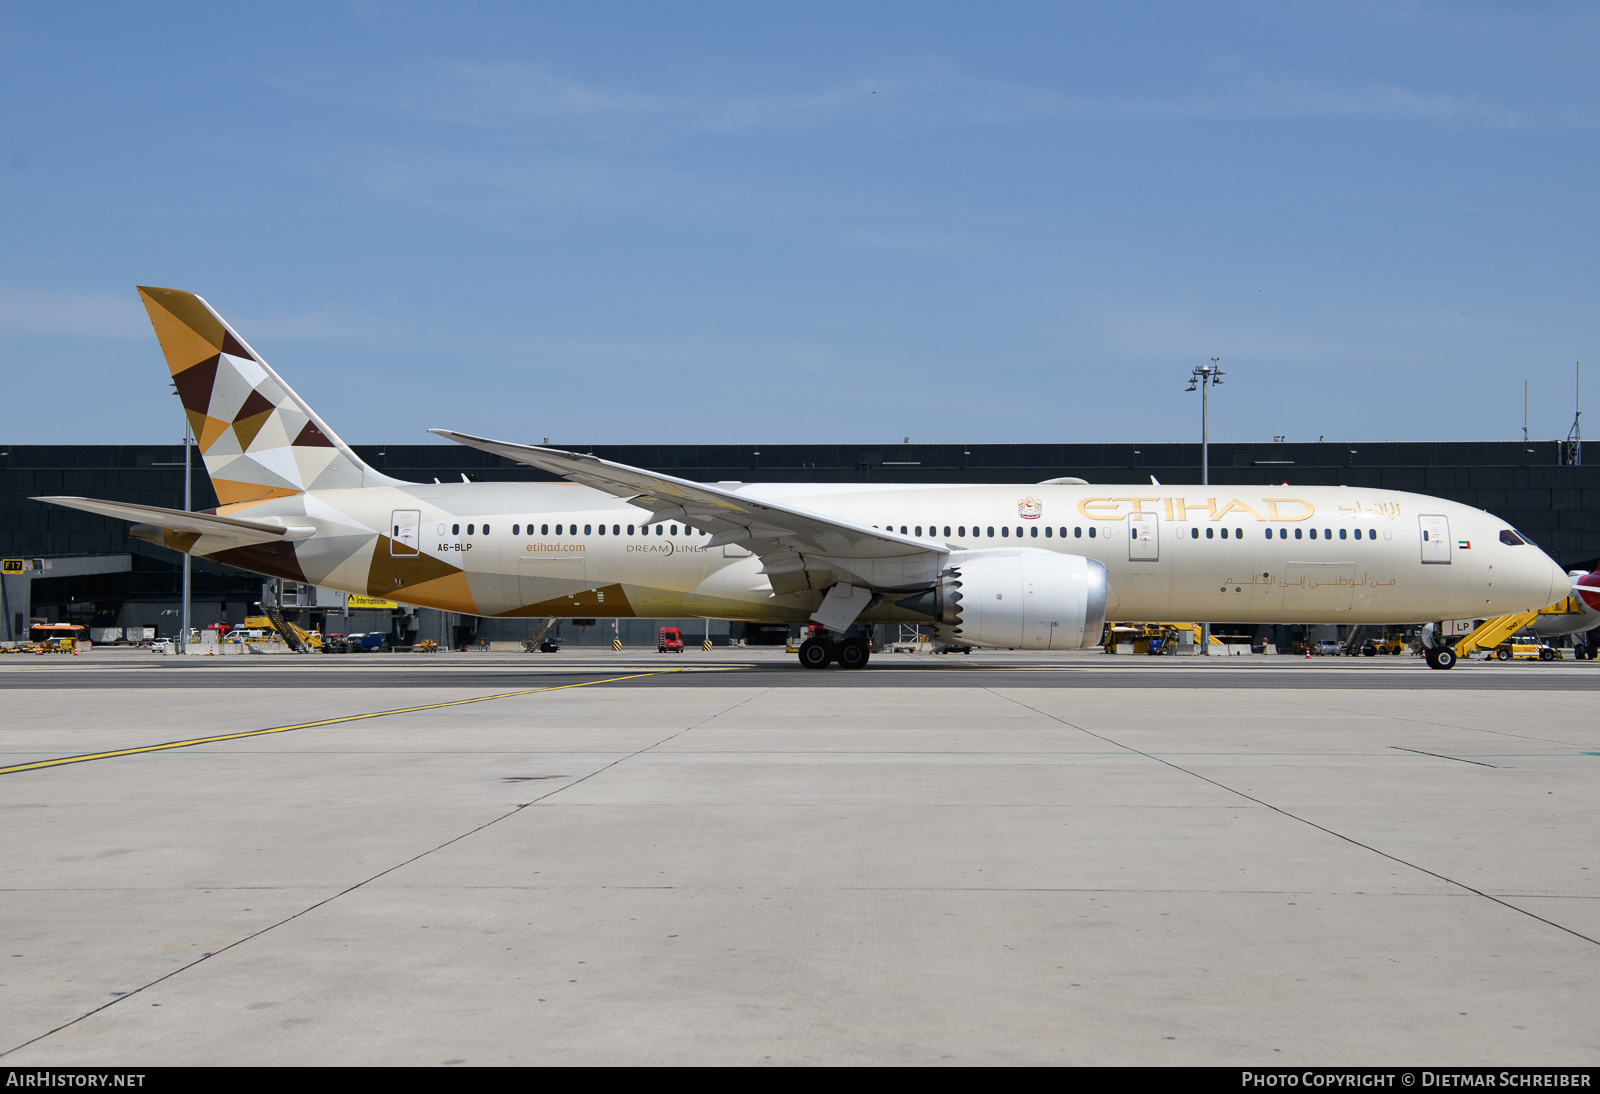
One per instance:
(485,529)
(544,529)
(1297,533)
(1194,533)
(1210,532)
(1091,531)
(455,529)
(587,530)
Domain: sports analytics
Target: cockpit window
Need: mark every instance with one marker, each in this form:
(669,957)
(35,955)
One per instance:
(1511,539)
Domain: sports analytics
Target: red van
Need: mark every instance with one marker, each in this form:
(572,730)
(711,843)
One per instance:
(669,638)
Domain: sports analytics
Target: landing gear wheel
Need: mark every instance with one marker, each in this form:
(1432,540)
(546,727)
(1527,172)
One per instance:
(852,654)
(815,653)
(1441,657)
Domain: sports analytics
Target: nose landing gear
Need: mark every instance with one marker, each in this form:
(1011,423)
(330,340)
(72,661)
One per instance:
(1441,657)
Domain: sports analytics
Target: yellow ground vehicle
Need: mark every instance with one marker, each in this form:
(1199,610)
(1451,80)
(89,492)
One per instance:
(1525,651)
(56,637)
(296,638)
(1151,638)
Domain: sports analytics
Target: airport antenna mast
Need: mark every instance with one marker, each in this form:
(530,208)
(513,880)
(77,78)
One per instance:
(1575,435)
(1205,377)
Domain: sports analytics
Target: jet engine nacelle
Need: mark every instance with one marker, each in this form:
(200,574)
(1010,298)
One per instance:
(1023,600)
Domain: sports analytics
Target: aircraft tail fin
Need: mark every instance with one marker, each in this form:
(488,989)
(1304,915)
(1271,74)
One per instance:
(258,438)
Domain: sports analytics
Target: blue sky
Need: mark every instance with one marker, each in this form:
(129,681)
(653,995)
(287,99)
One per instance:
(611,223)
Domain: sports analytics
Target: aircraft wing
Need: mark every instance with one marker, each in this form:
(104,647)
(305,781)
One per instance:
(799,549)
(204,524)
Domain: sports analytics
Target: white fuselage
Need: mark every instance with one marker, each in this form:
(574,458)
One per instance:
(1219,553)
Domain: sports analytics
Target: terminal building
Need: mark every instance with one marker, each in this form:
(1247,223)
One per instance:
(81,568)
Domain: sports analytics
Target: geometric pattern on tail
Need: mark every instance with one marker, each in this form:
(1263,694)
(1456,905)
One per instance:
(258,438)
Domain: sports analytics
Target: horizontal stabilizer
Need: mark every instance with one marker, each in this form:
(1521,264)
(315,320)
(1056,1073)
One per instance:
(203,524)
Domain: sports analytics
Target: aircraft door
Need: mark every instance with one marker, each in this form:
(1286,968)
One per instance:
(403,527)
(1435,538)
(1144,537)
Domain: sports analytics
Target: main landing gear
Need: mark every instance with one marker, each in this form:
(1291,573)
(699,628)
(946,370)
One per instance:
(820,652)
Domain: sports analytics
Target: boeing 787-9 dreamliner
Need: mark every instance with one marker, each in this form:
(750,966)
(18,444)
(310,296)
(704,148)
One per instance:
(1031,567)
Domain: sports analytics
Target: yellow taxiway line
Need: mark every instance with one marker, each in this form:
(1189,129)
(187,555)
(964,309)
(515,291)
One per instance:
(86,757)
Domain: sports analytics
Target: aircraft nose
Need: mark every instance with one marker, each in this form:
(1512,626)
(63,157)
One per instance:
(1526,578)
(1543,580)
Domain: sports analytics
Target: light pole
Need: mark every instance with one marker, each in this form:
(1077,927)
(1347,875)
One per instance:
(1205,377)
(188,506)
